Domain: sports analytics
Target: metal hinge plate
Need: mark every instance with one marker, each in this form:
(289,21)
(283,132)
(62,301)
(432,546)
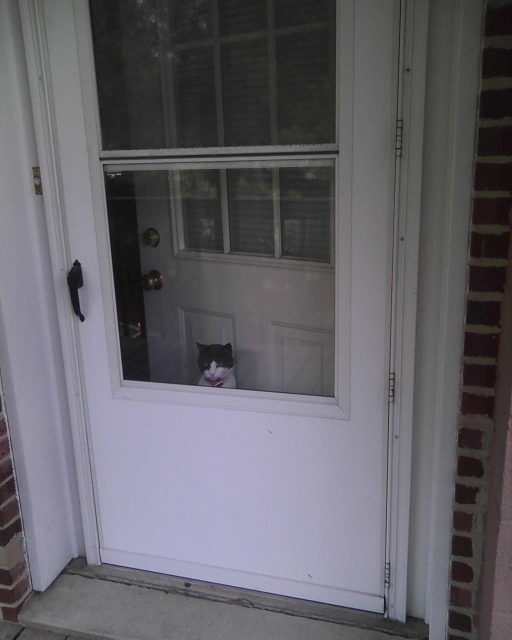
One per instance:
(391,387)
(38,184)
(387,573)
(398,139)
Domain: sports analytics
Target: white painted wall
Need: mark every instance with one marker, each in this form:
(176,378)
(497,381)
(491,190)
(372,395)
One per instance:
(30,355)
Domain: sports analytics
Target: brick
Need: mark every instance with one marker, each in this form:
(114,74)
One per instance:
(468,467)
(452,637)
(462,572)
(462,521)
(495,104)
(3,427)
(470,438)
(480,375)
(460,597)
(484,345)
(5,449)
(476,247)
(491,210)
(462,546)
(474,405)
(11,596)
(497,245)
(496,63)
(498,21)
(8,577)
(487,313)
(490,245)
(9,532)
(10,614)
(495,141)
(9,511)
(7,490)
(487,278)
(5,469)
(459,621)
(466,495)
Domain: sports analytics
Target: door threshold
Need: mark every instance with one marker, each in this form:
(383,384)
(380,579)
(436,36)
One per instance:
(73,603)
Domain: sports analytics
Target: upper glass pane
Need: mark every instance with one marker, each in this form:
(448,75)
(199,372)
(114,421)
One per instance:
(210,73)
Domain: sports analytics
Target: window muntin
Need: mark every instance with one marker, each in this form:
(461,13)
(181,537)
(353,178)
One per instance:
(214,73)
(279,209)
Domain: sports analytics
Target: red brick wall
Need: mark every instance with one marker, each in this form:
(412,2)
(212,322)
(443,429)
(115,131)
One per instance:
(14,577)
(487,272)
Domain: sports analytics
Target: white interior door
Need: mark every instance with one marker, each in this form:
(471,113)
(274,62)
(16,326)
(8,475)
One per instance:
(257,140)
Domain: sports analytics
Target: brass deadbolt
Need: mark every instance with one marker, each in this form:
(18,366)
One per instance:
(151,237)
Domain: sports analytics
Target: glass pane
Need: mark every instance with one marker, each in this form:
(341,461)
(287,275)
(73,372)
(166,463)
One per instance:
(195,122)
(305,88)
(182,74)
(201,209)
(306,204)
(245,91)
(290,13)
(251,210)
(242,17)
(179,310)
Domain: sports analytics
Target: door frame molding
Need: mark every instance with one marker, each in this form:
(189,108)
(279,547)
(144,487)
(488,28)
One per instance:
(405,284)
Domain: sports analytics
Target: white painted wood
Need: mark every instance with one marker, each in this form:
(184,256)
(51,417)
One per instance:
(258,582)
(453,148)
(299,354)
(30,356)
(406,242)
(217,151)
(33,33)
(319,459)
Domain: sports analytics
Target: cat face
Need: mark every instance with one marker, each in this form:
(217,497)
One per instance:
(215,360)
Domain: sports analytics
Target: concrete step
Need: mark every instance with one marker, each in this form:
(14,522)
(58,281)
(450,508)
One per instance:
(88,607)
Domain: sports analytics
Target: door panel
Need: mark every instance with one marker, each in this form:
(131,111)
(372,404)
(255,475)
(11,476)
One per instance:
(262,486)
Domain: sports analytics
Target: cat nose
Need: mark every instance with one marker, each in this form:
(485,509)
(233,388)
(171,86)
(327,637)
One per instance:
(212,369)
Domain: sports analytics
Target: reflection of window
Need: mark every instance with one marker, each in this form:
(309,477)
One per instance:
(213,73)
(204,79)
(277,211)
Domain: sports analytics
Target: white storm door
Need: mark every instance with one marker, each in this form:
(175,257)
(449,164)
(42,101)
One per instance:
(257,140)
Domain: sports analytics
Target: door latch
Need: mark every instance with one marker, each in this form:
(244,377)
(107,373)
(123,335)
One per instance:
(75,282)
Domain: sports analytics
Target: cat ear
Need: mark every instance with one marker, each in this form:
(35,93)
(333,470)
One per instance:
(228,346)
(201,347)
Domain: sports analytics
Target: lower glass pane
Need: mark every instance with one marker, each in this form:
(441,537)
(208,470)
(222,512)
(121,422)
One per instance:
(224,275)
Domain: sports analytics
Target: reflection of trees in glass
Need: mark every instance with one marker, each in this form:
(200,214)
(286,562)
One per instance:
(158,74)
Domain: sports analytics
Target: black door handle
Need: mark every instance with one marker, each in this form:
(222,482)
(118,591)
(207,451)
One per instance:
(75,282)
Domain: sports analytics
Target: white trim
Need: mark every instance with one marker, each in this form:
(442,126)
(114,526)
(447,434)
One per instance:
(40,83)
(456,207)
(409,185)
(219,151)
(267,584)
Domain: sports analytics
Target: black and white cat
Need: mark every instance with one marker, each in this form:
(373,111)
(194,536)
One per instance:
(216,364)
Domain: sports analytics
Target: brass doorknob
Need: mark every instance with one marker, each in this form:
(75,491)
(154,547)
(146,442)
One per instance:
(152,280)
(151,237)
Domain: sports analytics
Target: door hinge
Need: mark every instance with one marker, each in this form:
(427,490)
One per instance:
(387,574)
(391,387)
(398,139)
(38,184)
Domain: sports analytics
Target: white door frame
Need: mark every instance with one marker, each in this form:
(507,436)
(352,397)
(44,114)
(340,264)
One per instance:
(405,279)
